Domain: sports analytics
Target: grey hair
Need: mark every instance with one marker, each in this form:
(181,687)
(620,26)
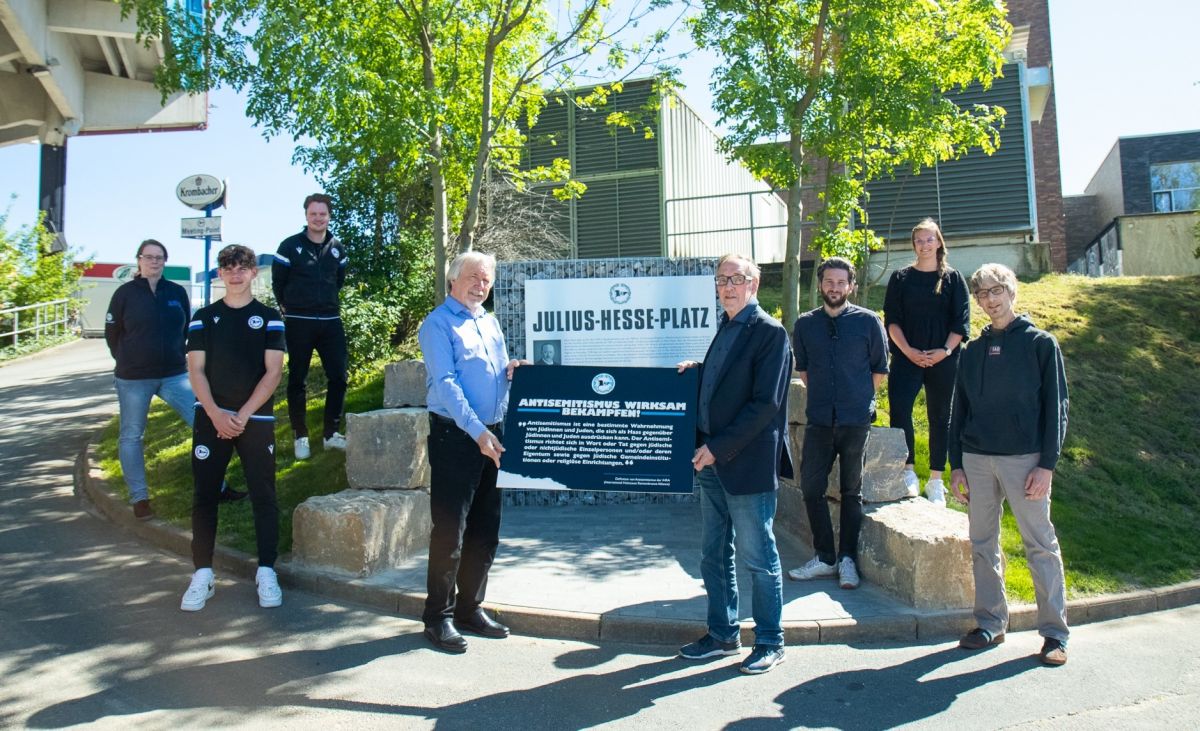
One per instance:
(997,273)
(751,267)
(477,257)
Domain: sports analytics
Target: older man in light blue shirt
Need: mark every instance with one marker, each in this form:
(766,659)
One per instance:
(467,376)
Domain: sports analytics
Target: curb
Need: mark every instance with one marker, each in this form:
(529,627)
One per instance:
(914,625)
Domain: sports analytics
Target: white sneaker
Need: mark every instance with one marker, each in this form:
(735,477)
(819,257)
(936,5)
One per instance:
(911,483)
(935,490)
(847,573)
(301,448)
(814,569)
(269,593)
(335,441)
(201,589)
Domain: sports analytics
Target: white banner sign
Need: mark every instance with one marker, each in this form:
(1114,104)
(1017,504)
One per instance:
(198,228)
(633,321)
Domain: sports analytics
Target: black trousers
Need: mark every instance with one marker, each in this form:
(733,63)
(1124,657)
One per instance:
(210,457)
(822,444)
(905,380)
(328,338)
(465,506)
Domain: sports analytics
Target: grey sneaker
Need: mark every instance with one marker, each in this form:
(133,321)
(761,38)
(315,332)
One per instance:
(335,441)
(814,569)
(709,646)
(301,448)
(847,573)
(762,659)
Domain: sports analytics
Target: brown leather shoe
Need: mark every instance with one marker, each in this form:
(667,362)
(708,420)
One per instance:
(142,511)
(1054,652)
(481,624)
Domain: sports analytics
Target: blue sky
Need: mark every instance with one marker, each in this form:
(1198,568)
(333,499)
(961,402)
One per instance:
(1116,73)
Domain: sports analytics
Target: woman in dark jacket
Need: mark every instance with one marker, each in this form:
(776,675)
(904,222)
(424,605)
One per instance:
(146,327)
(927,312)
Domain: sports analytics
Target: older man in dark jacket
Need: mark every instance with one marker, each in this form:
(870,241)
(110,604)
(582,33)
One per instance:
(742,423)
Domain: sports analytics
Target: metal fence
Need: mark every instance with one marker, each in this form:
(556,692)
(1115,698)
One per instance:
(40,320)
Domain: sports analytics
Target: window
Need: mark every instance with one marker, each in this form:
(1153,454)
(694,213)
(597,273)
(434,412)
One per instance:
(1175,186)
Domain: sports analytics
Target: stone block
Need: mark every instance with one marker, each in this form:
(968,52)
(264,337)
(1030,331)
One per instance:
(919,552)
(386,449)
(404,384)
(883,465)
(916,551)
(797,402)
(360,531)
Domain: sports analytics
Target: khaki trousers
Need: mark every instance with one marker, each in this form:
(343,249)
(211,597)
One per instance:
(992,480)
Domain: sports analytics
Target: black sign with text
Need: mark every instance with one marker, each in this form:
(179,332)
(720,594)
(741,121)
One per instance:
(592,428)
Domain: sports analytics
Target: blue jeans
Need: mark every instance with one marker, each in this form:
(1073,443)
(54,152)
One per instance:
(134,397)
(745,521)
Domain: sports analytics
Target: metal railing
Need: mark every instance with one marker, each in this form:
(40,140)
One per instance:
(41,319)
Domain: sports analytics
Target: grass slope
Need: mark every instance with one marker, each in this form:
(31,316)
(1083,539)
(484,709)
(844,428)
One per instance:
(1126,499)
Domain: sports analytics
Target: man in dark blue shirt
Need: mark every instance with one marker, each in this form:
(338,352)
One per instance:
(841,353)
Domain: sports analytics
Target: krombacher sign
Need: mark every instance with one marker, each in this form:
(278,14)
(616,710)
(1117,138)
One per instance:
(199,191)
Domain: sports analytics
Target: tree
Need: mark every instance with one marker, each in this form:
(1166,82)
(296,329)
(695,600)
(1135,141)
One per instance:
(436,84)
(859,83)
(30,273)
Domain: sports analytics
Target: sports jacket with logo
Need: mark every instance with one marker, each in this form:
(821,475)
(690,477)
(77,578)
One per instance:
(306,277)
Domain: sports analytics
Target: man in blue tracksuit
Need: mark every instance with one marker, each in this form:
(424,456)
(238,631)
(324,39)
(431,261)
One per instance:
(308,271)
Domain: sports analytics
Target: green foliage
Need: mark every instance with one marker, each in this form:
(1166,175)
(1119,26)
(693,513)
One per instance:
(861,84)
(392,91)
(29,272)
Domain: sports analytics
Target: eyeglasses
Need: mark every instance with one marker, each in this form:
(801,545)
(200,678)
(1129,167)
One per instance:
(996,291)
(151,257)
(737,280)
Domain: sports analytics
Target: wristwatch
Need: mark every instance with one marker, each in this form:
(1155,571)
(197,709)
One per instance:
(948,351)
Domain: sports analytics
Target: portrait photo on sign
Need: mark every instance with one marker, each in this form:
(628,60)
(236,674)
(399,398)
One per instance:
(547,352)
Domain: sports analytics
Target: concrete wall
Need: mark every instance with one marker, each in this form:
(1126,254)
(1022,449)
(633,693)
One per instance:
(967,255)
(1105,185)
(1159,244)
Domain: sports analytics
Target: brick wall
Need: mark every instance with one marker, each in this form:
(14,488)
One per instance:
(1052,226)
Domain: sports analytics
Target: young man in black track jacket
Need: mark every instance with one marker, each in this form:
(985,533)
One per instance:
(308,271)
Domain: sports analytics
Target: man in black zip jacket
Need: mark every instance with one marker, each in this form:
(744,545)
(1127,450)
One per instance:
(308,271)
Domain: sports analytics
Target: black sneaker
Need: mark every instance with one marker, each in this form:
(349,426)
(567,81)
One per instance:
(709,646)
(979,638)
(229,495)
(763,659)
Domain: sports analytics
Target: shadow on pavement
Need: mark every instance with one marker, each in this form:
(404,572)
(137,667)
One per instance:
(888,697)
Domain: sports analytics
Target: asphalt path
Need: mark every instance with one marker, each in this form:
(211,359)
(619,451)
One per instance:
(91,634)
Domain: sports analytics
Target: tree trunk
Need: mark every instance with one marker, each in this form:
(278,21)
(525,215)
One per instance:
(437,176)
(440,222)
(466,234)
(791,257)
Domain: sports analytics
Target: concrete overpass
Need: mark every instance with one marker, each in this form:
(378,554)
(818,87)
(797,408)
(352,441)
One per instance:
(75,67)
